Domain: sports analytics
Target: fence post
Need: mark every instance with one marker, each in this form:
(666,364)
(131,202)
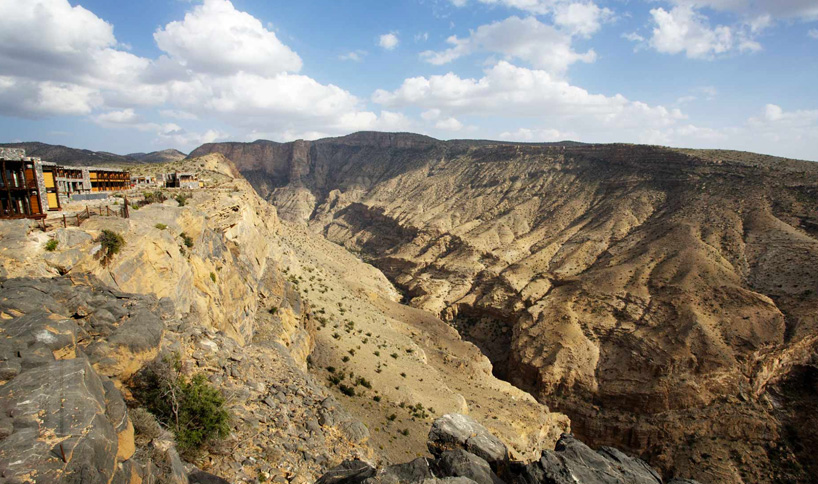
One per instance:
(64,222)
(108,210)
(78,220)
(126,209)
(87,212)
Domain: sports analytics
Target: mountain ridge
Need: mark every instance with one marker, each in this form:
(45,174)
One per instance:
(66,155)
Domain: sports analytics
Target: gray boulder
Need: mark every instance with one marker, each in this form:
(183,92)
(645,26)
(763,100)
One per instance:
(348,472)
(416,471)
(573,462)
(459,463)
(457,431)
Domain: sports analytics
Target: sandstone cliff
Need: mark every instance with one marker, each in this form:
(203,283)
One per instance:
(664,300)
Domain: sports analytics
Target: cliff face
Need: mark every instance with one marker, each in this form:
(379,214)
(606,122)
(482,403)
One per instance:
(664,300)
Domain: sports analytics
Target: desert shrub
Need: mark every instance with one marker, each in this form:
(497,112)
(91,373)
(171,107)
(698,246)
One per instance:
(191,407)
(182,199)
(51,245)
(213,276)
(187,240)
(111,243)
(151,197)
(146,427)
(347,390)
(161,226)
(363,382)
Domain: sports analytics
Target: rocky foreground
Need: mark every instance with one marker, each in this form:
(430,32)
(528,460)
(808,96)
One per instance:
(465,452)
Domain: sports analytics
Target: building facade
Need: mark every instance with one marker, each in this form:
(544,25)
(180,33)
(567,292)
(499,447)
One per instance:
(29,187)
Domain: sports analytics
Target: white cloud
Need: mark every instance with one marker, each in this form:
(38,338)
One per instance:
(510,92)
(581,18)
(422,37)
(683,29)
(449,124)
(813,33)
(782,9)
(527,39)
(218,62)
(537,135)
(34,99)
(216,38)
(388,41)
(355,56)
(538,7)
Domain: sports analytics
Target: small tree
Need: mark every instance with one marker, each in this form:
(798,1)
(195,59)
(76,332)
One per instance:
(111,243)
(192,408)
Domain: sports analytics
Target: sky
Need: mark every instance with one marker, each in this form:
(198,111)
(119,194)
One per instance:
(142,76)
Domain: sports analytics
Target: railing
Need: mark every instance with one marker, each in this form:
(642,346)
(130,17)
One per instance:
(76,219)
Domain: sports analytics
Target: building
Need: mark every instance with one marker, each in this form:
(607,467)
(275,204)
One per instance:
(143,181)
(30,187)
(182,180)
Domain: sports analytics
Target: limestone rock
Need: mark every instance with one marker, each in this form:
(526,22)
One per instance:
(348,472)
(454,431)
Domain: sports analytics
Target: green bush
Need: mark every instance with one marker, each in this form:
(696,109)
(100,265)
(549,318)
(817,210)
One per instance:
(187,240)
(51,245)
(182,199)
(111,243)
(347,390)
(213,276)
(161,226)
(192,408)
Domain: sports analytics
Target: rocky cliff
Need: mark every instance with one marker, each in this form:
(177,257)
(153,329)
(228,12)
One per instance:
(664,300)
(318,360)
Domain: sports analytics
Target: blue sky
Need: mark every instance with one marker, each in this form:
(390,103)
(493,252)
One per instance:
(148,75)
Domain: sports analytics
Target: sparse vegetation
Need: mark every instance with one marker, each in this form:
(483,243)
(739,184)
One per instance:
(51,245)
(111,243)
(161,226)
(191,407)
(187,240)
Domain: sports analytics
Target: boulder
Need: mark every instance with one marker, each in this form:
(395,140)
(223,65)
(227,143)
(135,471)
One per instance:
(572,461)
(459,463)
(416,471)
(457,431)
(201,477)
(60,429)
(348,472)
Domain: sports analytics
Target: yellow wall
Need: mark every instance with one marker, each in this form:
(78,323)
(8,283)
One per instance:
(52,200)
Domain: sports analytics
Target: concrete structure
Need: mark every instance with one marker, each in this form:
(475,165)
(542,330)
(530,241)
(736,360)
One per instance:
(29,187)
(182,180)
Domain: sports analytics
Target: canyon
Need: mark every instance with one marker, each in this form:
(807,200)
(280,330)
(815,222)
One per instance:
(663,299)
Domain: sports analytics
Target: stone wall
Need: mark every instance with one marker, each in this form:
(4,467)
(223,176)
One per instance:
(12,153)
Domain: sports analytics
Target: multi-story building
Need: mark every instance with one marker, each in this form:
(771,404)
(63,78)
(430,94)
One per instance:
(29,187)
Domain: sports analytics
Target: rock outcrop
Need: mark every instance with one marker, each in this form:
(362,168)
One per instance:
(571,462)
(659,298)
(64,346)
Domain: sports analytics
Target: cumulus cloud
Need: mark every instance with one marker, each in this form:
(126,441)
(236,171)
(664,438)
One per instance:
(782,9)
(683,29)
(581,18)
(538,135)
(216,38)
(508,92)
(813,33)
(388,41)
(355,56)
(526,39)
(217,61)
